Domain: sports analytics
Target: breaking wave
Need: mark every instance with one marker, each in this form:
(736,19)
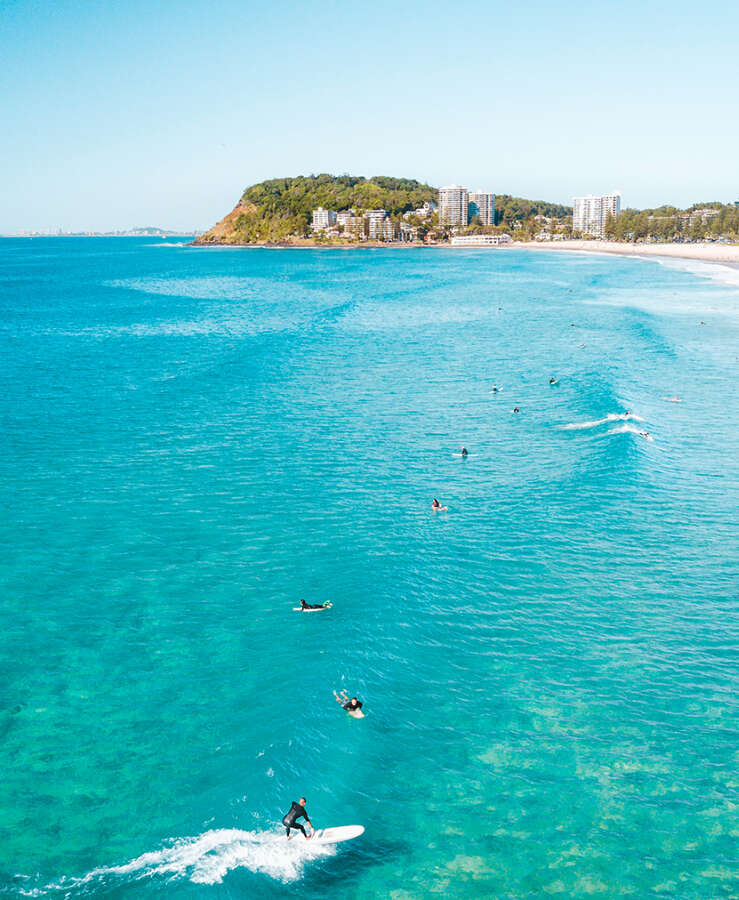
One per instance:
(205,859)
(724,273)
(629,429)
(595,423)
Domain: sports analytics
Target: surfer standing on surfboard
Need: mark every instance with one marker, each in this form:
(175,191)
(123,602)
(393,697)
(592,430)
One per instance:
(297,811)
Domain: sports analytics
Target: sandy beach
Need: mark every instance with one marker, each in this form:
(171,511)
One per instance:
(722,253)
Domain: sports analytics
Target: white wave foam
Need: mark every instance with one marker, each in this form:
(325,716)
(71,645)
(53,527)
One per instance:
(209,857)
(611,417)
(726,274)
(629,429)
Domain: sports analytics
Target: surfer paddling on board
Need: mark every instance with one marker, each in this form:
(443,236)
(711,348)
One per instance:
(304,605)
(297,811)
(352,706)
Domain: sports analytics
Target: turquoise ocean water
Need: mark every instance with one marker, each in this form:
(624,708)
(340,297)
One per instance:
(194,439)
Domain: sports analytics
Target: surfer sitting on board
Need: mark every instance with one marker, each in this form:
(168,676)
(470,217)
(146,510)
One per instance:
(304,605)
(464,451)
(352,706)
(297,811)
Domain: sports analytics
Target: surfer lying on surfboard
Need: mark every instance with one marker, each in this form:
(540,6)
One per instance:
(351,705)
(304,605)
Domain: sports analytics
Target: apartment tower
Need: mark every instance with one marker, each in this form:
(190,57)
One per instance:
(453,205)
(590,213)
(482,205)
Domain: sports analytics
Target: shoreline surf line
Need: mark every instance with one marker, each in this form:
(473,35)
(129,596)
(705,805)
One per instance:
(725,254)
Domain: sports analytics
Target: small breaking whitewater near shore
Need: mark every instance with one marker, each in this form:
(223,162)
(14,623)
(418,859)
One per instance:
(205,859)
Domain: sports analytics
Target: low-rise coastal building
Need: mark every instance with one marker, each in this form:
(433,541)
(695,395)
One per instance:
(703,215)
(480,240)
(389,230)
(408,232)
(344,216)
(590,213)
(354,226)
(423,212)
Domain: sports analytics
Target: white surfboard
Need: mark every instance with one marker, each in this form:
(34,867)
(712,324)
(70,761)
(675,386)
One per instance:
(337,835)
(320,609)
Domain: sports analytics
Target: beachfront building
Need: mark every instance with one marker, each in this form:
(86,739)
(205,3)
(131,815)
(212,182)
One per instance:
(482,205)
(354,225)
(389,230)
(345,216)
(453,206)
(323,219)
(375,223)
(480,240)
(423,212)
(590,213)
(408,233)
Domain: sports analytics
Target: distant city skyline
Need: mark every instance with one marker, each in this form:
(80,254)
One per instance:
(118,115)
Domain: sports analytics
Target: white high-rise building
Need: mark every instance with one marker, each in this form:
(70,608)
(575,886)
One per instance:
(482,205)
(375,223)
(589,213)
(323,219)
(453,205)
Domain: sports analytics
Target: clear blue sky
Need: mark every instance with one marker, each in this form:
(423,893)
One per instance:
(116,114)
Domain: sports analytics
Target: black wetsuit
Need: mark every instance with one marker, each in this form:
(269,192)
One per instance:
(296,812)
(304,605)
(349,707)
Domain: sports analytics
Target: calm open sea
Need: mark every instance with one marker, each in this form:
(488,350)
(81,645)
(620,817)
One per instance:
(192,440)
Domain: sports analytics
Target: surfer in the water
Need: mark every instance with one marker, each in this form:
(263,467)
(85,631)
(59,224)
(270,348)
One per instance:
(304,605)
(464,451)
(351,705)
(297,811)
(437,507)
(552,380)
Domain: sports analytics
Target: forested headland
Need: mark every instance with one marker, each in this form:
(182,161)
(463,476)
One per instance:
(280,209)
